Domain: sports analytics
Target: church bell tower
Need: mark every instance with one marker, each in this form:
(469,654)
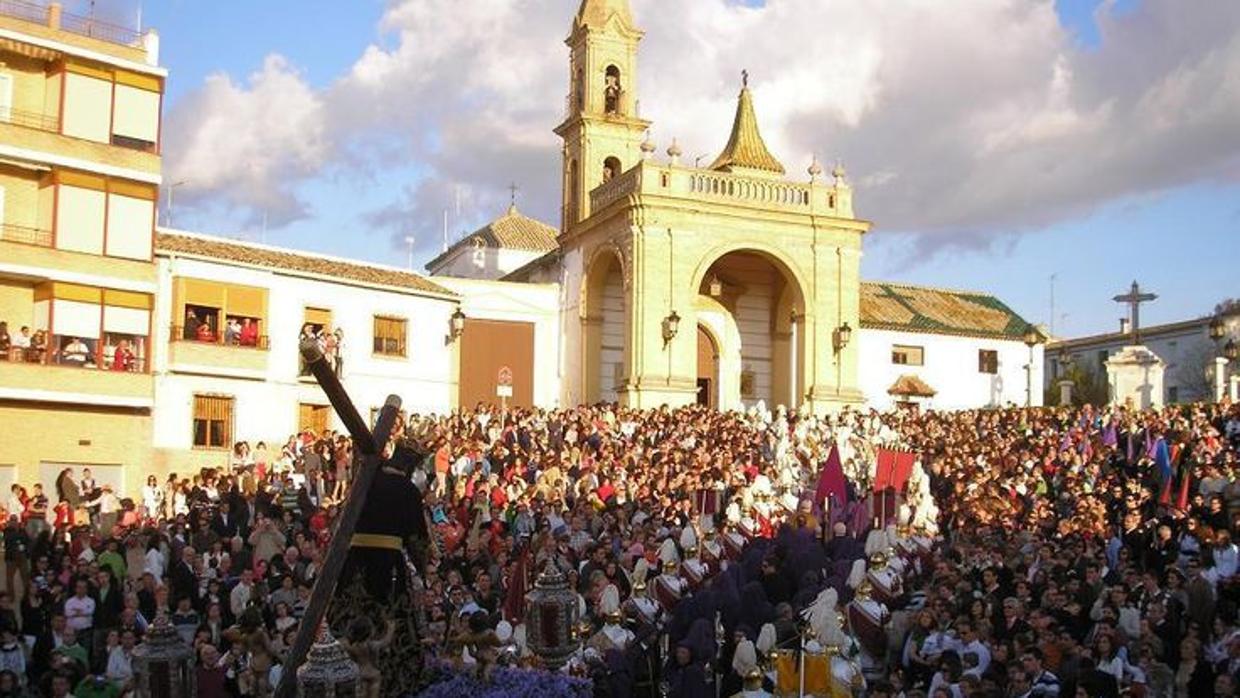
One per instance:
(602,131)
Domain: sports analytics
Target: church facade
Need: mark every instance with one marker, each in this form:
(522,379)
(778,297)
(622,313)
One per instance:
(734,284)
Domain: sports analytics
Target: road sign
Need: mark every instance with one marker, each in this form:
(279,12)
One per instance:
(505,376)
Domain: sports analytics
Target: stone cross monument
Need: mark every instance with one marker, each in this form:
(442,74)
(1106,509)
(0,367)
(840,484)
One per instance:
(1134,373)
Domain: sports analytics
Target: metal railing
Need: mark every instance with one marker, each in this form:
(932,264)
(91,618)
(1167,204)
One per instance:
(71,359)
(177,334)
(81,25)
(29,11)
(25,235)
(31,119)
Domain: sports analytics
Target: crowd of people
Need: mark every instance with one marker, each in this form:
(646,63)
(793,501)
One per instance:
(1030,552)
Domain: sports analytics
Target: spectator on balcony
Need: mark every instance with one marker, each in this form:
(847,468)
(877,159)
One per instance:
(75,352)
(204,333)
(232,332)
(38,346)
(192,323)
(20,348)
(123,358)
(249,333)
(6,342)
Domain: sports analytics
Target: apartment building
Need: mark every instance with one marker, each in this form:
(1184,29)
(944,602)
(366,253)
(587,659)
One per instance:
(80,105)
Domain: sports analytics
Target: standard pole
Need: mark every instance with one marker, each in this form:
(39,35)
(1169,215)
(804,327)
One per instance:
(1029,379)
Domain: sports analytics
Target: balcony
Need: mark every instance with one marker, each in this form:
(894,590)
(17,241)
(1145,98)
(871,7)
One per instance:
(217,357)
(41,132)
(49,21)
(78,379)
(23,235)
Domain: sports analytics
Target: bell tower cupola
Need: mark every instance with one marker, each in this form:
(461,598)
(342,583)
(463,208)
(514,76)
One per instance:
(602,131)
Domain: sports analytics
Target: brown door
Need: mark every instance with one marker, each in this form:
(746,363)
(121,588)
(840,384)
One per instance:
(486,347)
(312,418)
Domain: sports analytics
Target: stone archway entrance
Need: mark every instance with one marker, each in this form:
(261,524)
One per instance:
(707,368)
(754,292)
(605,330)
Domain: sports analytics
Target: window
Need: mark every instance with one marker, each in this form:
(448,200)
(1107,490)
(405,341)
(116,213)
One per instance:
(988,361)
(907,355)
(213,421)
(390,336)
(611,90)
(1173,394)
(1054,368)
(202,323)
(1102,357)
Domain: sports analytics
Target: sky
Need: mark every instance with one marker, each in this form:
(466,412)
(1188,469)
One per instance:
(1026,148)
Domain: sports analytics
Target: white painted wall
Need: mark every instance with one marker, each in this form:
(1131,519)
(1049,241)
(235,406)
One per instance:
(266,403)
(950,367)
(538,304)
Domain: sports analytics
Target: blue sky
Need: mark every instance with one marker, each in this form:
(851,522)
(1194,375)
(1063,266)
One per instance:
(1178,238)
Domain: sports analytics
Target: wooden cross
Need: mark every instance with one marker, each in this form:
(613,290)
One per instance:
(1134,298)
(369,445)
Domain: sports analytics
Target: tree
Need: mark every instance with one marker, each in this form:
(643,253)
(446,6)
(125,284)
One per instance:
(1228,306)
(1195,373)
(1087,387)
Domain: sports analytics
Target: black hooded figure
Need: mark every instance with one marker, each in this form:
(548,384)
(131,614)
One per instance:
(376,581)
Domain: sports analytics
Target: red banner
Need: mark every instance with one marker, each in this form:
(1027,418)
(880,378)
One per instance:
(893,470)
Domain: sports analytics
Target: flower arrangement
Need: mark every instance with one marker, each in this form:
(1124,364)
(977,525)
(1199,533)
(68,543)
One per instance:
(505,683)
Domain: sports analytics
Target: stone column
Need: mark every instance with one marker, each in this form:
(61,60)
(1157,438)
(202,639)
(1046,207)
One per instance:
(1065,393)
(1235,388)
(1220,378)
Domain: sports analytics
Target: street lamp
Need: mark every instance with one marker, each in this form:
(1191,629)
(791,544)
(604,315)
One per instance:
(1230,350)
(1216,328)
(843,335)
(456,325)
(1032,339)
(671,327)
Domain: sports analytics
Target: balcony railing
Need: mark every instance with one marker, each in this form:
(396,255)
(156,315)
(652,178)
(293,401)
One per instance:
(29,11)
(31,119)
(259,342)
(84,359)
(51,16)
(25,235)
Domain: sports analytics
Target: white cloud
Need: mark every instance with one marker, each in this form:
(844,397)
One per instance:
(959,120)
(249,144)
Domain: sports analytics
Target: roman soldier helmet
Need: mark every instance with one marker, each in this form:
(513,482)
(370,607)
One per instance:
(668,555)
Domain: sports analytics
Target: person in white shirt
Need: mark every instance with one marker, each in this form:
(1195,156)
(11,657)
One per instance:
(80,608)
(154,563)
(239,599)
(120,660)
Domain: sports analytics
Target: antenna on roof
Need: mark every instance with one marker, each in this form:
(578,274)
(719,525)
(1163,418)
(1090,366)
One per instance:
(445,230)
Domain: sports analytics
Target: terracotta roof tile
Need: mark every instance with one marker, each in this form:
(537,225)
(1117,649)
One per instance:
(887,306)
(910,385)
(273,258)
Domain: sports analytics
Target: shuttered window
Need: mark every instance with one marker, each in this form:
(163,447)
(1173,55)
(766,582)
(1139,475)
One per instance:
(313,418)
(987,361)
(213,421)
(908,356)
(390,336)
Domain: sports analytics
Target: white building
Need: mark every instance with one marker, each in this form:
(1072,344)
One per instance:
(1185,346)
(967,348)
(215,387)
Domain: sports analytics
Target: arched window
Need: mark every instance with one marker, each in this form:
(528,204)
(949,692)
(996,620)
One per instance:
(612,90)
(611,168)
(574,185)
(579,90)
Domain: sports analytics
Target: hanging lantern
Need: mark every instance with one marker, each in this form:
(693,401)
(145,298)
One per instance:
(551,618)
(328,671)
(163,664)
(716,287)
